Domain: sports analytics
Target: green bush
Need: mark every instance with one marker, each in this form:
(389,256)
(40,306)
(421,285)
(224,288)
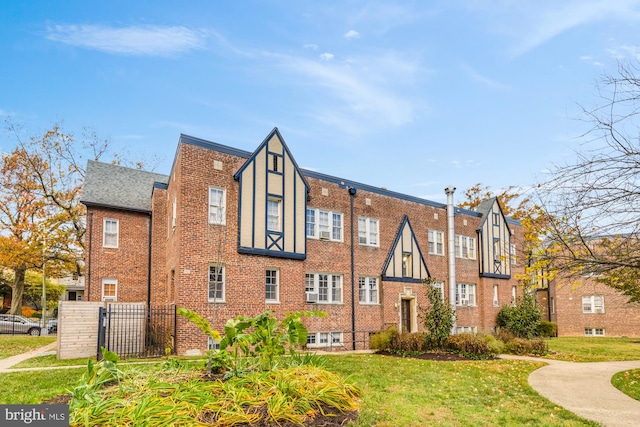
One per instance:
(470,345)
(539,347)
(547,329)
(438,318)
(495,345)
(408,342)
(382,340)
(518,346)
(522,319)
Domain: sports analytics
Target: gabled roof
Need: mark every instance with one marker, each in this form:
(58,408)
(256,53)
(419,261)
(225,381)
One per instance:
(390,256)
(119,187)
(486,206)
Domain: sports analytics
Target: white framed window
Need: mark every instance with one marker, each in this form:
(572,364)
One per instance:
(466,329)
(174,212)
(368,287)
(324,225)
(368,231)
(591,332)
(110,289)
(553,305)
(495,296)
(324,339)
(216,283)
(512,253)
(272,282)
(273,214)
(465,294)
(327,287)
(111,233)
(407,268)
(593,304)
(436,242)
(217,205)
(514,296)
(465,247)
(497,256)
(439,285)
(213,344)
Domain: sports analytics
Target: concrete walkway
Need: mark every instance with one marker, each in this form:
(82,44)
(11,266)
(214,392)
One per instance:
(586,390)
(7,363)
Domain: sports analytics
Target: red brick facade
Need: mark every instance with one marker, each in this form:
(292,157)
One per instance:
(183,248)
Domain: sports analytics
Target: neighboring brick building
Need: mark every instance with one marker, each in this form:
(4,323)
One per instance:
(588,308)
(230,232)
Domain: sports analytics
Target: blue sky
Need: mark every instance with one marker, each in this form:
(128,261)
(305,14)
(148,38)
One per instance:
(412,96)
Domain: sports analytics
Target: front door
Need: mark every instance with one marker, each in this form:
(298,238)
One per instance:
(406,315)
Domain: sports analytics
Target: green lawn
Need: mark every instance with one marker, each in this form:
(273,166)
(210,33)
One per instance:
(10,345)
(593,349)
(628,382)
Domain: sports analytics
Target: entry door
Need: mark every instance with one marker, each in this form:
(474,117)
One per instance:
(406,315)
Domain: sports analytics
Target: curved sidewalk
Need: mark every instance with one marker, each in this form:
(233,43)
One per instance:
(586,390)
(8,362)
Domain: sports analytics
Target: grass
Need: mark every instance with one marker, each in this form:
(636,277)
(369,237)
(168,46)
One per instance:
(411,392)
(628,382)
(36,386)
(10,345)
(593,349)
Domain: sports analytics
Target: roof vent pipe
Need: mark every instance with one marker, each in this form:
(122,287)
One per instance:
(451,253)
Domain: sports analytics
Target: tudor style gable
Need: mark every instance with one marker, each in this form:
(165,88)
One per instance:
(494,242)
(405,262)
(272,202)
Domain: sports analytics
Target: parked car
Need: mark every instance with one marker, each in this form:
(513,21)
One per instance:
(15,324)
(52,326)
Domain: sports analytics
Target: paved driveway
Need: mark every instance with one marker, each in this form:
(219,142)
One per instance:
(585,389)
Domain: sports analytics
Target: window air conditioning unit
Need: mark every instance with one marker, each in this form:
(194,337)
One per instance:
(325,235)
(599,310)
(109,299)
(312,297)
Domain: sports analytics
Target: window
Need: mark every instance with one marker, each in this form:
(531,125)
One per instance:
(439,285)
(496,218)
(216,283)
(273,214)
(111,229)
(328,287)
(368,287)
(495,296)
(272,281)
(174,211)
(368,231)
(407,270)
(465,294)
(514,294)
(217,205)
(512,253)
(590,332)
(496,251)
(213,344)
(465,247)
(593,304)
(109,289)
(436,242)
(466,329)
(324,339)
(324,225)
(553,305)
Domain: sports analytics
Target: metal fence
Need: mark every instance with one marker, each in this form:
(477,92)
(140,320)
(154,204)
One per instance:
(345,341)
(137,330)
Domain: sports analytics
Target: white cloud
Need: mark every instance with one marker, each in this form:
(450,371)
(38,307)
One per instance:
(326,56)
(311,46)
(352,34)
(144,40)
(624,52)
(482,79)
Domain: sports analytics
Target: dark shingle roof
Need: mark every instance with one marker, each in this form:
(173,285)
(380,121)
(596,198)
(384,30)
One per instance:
(119,187)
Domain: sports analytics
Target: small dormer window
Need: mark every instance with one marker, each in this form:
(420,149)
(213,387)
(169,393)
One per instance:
(275,163)
(406,265)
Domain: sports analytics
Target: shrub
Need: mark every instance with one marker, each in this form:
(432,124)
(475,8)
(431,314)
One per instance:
(518,346)
(469,345)
(522,319)
(547,329)
(382,340)
(27,311)
(539,347)
(438,317)
(495,345)
(408,342)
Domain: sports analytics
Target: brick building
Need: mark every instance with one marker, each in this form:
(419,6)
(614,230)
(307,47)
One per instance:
(230,232)
(588,308)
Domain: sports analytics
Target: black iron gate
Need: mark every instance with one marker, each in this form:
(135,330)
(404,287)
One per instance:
(137,330)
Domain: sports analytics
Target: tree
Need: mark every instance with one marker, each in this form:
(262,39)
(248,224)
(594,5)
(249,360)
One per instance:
(33,291)
(594,200)
(438,317)
(535,225)
(41,218)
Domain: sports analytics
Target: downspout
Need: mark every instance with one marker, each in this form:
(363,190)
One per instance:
(149,264)
(352,193)
(88,282)
(452,253)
